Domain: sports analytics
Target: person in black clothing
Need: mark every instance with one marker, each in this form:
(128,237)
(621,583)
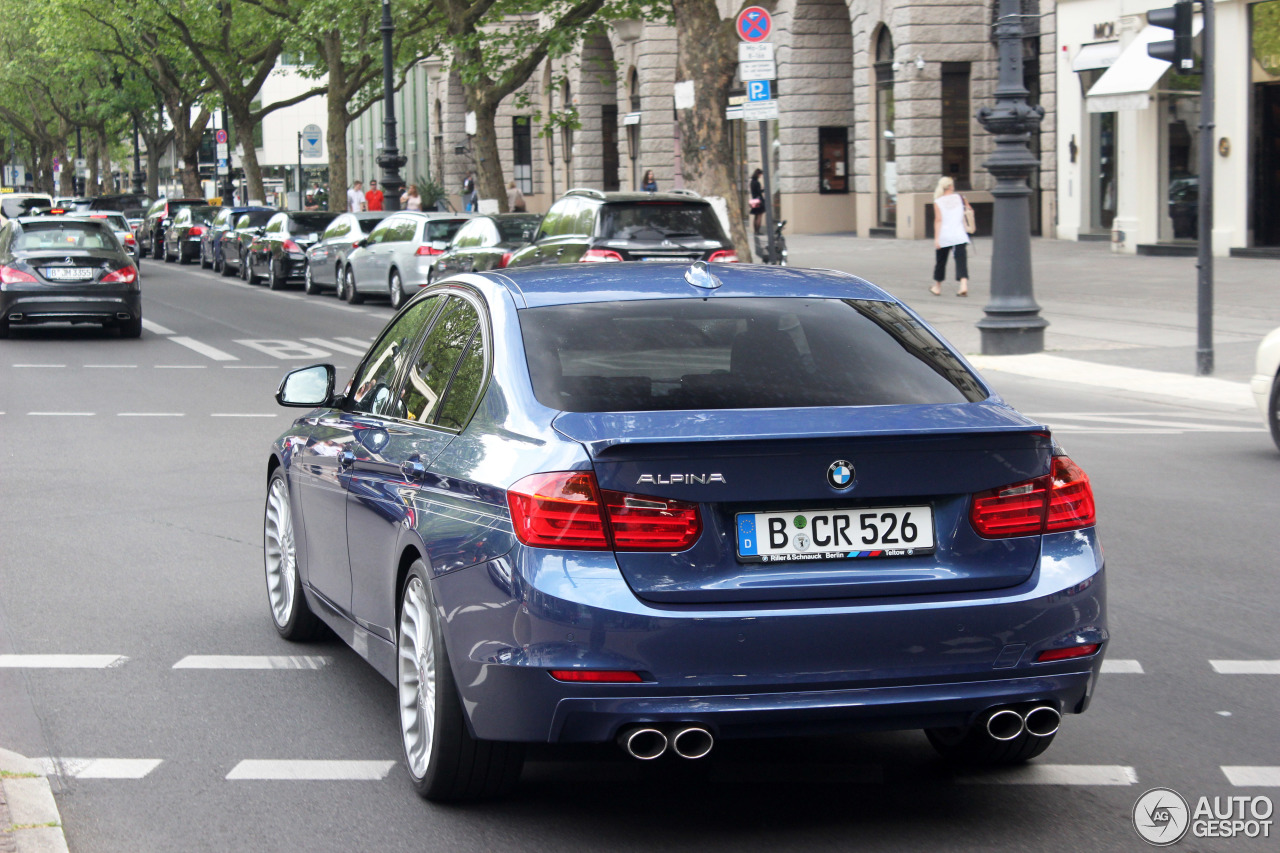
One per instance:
(757,200)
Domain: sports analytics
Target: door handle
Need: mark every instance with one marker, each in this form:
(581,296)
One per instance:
(346,459)
(413,470)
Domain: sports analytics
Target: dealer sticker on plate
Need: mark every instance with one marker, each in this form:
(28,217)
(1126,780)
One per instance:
(835,534)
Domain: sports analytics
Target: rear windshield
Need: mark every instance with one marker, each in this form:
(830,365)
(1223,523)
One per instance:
(257,218)
(442,230)
(737,353)
(15,207)
(518,230)
(204,214)
(659,220)
(310,223)
(58,235)
(114,219)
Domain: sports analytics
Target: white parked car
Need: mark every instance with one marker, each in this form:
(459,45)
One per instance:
(1266,382)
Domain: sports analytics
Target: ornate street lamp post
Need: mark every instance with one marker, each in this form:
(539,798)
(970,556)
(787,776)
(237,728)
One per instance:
(1013,324)
(390,159)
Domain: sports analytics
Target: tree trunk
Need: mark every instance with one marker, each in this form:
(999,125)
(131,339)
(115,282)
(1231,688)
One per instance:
(706,53)
(153,171)
(107,184)
(489,176)
(336,137)
(93,186)
(242,121)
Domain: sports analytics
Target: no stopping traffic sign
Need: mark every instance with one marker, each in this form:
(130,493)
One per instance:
(754,24)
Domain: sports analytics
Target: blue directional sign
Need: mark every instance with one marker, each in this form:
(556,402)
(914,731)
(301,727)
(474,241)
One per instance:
(758,90)
(312,141)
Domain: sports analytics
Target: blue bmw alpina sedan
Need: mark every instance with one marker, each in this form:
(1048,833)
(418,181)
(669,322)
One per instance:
(666,504)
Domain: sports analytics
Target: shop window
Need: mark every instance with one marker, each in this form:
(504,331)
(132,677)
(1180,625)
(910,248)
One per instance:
(956,114)
(833,154)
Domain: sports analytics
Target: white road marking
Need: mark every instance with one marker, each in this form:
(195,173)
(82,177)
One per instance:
(204,349)
(181,366)
(116,366)
(250,367)
(1054,774)
(1253,777)
(100,768)
(1129,667)
(336,347)
(1246,667)
(284,350)
(252,662)
(1139,423)
(237,415)
(324,771)
(150,415)
(39,365)
(156,328)
(61,661)
(61,414)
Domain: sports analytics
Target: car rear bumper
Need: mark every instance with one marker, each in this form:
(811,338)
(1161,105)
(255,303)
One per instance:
(764,670)
(22,308)
(1260,385)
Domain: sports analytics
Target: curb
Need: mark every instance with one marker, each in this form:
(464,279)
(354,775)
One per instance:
(29,818)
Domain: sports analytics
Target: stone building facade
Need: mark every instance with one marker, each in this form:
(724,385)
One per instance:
(876,102)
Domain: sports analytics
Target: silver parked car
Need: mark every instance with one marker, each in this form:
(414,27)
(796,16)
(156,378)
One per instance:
(395,260)
(327,259)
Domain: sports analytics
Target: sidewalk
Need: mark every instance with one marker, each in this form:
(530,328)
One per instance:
(1115,320)
(29,819)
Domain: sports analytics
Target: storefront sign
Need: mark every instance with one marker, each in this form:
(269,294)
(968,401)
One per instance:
(1104,31)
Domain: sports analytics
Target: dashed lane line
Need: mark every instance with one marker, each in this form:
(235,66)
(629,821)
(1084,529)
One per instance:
(204,349)
(112,366)
(1246,667)
(1122,667)
(181,366)
(240,415)
(39,365)
(1054,774)
(252,662)
(99,768)
(155,328)
(1244,776)
(150,415)
(61,414)
(61,661)
(318,771)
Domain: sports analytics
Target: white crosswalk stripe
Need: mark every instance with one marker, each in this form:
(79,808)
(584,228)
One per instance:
(252,662)
(1253,777)
(204,349)
(61,661)
(100,768)
(155,328)
(1124,667)
(1054,774)
(310,770)
(1144,423)
(1246,667)
(350,346)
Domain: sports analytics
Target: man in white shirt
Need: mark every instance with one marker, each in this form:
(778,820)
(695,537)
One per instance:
(355,197)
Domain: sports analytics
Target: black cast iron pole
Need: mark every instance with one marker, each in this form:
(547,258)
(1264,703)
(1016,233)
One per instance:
(1013,324)
(137,157)
(1204,261)
(390,159)
(228,189)
(77,182)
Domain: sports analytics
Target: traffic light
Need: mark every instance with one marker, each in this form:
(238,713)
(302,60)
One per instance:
(1178,51)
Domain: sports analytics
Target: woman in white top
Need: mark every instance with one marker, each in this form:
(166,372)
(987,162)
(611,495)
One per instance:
(948,234)
(411,200)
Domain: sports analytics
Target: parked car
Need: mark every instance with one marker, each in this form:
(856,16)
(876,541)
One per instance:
(118,201)
(523,511)
(282,246)
(1266,382)
(328,257)
(486,243)
(590,225)
(159,217)
(13,205)
(236,242)
(221,224)
(62,269)
(182,237)
(396,258)
(122,229)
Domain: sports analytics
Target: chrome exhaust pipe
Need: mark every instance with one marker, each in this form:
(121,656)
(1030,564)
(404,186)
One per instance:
(642,742)
(1042,720)
(692,742)
(1004,724)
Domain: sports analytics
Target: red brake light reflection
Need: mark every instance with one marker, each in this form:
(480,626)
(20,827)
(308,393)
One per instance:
(1068,653)
(597,676)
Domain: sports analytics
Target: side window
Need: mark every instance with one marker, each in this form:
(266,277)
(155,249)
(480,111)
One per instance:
(275,225)
(586,221)
(488,234)
(340,226)
(374,387)
(243,221)
(461,395)
(379,234)
(429,377)
(221,219)
(407,230)
(552,221)
(468,235)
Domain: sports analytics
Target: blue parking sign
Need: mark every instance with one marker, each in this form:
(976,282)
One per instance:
(758,90)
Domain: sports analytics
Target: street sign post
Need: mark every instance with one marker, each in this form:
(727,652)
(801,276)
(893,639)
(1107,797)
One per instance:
(220,136)
(312,142)
(754,24)
(756,68)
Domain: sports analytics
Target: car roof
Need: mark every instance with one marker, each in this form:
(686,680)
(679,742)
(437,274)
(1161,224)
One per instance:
(632,197)
(580,283)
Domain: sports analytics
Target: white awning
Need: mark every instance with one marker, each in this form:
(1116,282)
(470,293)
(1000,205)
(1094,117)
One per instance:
(1102,54)
(1127,84)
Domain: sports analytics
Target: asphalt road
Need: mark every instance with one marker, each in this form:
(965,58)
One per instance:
(132,488)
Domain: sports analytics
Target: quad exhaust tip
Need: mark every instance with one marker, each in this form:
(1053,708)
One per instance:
(646,743)
(1042,720)
(692,742)
(643,742)
(1004,724)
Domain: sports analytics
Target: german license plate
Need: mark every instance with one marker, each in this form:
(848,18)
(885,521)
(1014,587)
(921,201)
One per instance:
(68,273)
(835,534)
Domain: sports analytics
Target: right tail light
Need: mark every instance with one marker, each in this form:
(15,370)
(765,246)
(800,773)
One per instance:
(1061,500)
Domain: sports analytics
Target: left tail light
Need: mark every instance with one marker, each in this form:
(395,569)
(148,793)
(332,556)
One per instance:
(130,240)
(124,275)
(290,246)
(196,231)
(506,259)
(12,275)
(1061,500)
(427,249)
(724,256)
(567,509)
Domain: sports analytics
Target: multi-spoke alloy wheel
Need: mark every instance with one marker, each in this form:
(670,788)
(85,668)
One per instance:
(289,611)
(417,663)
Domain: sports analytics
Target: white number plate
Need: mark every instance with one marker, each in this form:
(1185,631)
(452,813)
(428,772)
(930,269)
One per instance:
(69,273)
(835,534)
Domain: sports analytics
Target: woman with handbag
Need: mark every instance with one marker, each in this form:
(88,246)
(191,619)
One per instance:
(953,222)
(757,200)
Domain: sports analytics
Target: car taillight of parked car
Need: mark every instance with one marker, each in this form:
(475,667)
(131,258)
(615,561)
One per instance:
(196,231)
(10,275)
(428,250)
(129,240)
(124,275)
(724,256)
(506,259)
(1060,500)
(290,246)
(600,255)
(567,509)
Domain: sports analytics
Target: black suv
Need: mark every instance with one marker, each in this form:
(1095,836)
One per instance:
(590,225)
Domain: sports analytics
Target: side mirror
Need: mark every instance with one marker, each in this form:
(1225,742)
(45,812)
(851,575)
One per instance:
(363,244)
(307,387)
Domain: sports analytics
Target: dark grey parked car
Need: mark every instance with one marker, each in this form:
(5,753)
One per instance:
(327,258)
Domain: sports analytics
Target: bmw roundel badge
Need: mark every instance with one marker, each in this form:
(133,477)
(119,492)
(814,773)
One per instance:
(840,474)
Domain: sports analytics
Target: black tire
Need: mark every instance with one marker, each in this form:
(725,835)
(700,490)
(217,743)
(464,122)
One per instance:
(309,285)
(224,267)
(1273,411)
(452,765)
(395,285)
(131,328)
(274,281)
(205,263)
(354,296)
(975,748)
(157,248)
(244,268)
(183,257)
(4,327)
(249,274)
(290,612)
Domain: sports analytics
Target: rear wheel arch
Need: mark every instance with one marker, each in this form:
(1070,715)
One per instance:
(408,556)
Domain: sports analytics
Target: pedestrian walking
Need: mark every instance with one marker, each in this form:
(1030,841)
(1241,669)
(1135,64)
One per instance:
(411,200)
(515,199)
(373,198)
(355,197)
(469,192)
(320,196)
(950,233)
(650,183)
(757,201)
